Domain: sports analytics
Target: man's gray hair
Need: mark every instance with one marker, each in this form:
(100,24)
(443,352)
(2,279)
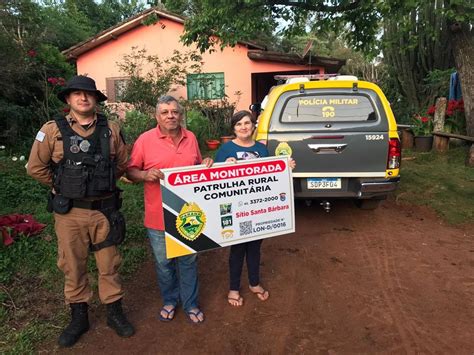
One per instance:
(167,99)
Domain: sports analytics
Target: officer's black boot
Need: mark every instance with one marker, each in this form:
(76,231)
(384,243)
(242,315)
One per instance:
(117,320)
(78,326)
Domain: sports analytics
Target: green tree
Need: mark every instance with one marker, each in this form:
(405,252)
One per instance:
(358,22)
(111,12)
(32,34)
(415,44)
(144,86)
(31,74)
(64,24)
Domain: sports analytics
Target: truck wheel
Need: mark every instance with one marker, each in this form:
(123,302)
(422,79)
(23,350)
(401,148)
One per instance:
(367,204)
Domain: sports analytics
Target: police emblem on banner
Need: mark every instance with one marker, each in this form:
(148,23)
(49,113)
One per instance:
(227,233)
(191,221)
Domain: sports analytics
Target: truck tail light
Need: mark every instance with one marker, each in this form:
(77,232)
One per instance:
(394,154)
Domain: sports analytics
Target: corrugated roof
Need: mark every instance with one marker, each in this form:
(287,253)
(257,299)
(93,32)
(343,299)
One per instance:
(332,65)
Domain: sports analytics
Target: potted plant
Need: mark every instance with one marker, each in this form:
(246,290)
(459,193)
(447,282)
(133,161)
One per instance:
(422,127)
(225,139)
(210,120)
(212,144)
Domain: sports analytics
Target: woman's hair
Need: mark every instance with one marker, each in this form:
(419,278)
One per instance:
(238,116)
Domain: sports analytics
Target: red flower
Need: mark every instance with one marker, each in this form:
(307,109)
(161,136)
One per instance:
(431,110)
(425,119)
(61,81)
(53,81)
(7,236)
(454,105)
(449,112)
(31,53)
(66,110)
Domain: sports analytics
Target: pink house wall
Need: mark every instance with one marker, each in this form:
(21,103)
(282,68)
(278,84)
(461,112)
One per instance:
(100,62)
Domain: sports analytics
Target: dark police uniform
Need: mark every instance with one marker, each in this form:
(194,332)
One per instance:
(83,224)
(81,162)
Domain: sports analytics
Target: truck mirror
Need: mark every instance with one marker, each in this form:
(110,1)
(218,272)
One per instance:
(256,108)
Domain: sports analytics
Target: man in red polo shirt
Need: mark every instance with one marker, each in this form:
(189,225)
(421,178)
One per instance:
(167,146)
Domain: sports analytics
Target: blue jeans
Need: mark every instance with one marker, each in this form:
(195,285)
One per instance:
(177,277)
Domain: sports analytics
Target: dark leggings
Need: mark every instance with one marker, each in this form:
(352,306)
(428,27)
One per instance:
(236,261)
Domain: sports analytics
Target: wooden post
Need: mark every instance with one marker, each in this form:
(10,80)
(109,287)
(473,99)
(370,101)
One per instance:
(438,120)
(407,139)
(470,157)
(440,144)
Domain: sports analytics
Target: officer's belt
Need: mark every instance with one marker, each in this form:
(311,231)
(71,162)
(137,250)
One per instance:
(108,202)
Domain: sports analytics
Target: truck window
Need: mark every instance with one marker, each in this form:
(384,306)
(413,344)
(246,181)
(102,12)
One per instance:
(328,108)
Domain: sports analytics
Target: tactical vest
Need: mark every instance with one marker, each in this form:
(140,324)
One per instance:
(86,169)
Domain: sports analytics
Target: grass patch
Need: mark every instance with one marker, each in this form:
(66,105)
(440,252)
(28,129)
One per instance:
(440,181)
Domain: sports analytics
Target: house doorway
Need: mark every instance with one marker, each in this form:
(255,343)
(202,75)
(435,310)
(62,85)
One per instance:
(262,82)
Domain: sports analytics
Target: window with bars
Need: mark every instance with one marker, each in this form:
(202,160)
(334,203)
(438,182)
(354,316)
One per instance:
(116,88)
(205,86)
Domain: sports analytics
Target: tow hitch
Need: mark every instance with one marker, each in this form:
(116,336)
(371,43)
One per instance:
(326,206)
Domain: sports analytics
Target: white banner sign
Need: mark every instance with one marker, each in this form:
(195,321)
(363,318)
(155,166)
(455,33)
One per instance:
(229,203)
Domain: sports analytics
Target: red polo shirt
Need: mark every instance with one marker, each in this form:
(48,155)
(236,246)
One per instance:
(156,150)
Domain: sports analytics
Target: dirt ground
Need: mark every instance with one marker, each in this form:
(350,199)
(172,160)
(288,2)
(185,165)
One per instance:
(392,280)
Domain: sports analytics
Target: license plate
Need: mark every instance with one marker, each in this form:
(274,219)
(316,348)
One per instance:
(324,183)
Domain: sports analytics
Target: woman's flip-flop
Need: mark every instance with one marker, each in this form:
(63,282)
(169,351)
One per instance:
(235,302)
(262,295)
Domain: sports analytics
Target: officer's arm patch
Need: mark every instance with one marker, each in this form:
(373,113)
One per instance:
(40,136)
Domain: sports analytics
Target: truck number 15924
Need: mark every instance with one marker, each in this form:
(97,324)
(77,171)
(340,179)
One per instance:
(374,137)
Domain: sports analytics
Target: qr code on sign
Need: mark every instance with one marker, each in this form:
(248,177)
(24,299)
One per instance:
(245,227)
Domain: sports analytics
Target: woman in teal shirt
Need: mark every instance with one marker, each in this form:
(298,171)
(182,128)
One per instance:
(244,147)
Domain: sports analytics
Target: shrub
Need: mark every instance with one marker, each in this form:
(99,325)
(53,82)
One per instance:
(197,123)
(151,77)
(218,114)
(136,123)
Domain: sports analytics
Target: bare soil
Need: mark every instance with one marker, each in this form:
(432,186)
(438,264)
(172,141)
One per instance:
(396,280)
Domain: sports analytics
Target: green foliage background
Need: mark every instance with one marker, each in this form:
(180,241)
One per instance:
(32,36)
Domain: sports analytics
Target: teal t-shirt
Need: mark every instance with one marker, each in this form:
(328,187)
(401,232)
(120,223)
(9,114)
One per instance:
(230,149)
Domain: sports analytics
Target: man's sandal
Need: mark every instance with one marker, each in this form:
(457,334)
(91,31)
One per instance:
(195,314)
(169,314)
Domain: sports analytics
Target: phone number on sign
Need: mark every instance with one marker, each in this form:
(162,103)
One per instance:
(266,199)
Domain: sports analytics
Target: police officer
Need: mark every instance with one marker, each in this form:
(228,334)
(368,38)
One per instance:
(80,155)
